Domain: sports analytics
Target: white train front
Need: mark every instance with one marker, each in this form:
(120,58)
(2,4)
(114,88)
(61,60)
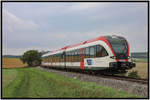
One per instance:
(105,53)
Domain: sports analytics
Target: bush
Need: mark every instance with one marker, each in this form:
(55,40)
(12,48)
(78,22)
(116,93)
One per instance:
(133,74)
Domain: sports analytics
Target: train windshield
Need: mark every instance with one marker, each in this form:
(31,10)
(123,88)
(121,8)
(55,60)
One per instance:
(119,46)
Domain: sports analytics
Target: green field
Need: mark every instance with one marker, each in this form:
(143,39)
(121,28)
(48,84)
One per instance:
(35,83)
(140,59)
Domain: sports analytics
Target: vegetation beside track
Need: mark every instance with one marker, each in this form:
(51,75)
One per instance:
(141,69)
(35,83)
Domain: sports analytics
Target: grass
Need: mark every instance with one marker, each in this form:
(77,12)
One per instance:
(140,59)
(12,63)
(8,76)
(35,83)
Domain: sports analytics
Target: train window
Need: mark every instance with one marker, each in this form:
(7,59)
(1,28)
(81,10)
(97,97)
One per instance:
(100,51)
(61,57)
(86,52)
(78,55)
(45,59)
(66,56)
(74,56)
(71,55)
(92,51)
(58,57)
(53,59)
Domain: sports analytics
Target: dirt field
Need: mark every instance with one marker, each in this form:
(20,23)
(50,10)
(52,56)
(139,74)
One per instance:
(141,68)
(12,63)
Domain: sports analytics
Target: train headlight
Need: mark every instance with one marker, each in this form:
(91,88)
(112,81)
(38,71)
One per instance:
(129,57)
(112,64)
(113,57)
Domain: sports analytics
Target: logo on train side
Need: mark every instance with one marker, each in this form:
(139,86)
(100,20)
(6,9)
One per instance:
(89,61)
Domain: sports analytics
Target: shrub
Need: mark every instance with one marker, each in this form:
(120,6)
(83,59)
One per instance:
(133,74)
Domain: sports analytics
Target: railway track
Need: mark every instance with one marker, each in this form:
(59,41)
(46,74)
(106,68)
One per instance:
(125,78)
(117,77)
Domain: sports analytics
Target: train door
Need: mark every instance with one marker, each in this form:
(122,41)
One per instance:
(82,58)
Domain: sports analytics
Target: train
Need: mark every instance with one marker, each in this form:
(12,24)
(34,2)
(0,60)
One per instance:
(108,54)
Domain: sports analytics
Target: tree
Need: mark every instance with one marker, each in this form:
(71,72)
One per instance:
(31,57)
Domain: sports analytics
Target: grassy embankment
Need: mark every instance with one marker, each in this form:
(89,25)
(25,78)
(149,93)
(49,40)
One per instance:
(32,82)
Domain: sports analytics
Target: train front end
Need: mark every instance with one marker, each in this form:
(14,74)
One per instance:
(121,54)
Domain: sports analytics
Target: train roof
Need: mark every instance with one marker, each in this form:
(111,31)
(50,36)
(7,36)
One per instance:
(103,38)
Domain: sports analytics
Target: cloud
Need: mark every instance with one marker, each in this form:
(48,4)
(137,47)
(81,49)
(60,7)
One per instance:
(16,29)
(20,51)
(12,23)
(87,6)
(55,25)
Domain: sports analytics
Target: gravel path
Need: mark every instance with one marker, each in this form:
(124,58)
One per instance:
(130,87)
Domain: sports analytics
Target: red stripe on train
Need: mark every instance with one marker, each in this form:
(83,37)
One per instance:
(82,58)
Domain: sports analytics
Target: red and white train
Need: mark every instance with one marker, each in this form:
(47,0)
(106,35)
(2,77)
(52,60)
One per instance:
(104,53)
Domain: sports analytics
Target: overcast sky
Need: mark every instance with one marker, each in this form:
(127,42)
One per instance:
(50,26)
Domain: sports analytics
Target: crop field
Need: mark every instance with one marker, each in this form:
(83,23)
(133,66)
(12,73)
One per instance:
(36,83)
(12,63)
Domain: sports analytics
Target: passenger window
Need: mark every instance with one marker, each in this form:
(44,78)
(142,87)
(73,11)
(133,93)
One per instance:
(104,52)
(100,51)
(86,52)
(71,56)
(92,51)
(78,55)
